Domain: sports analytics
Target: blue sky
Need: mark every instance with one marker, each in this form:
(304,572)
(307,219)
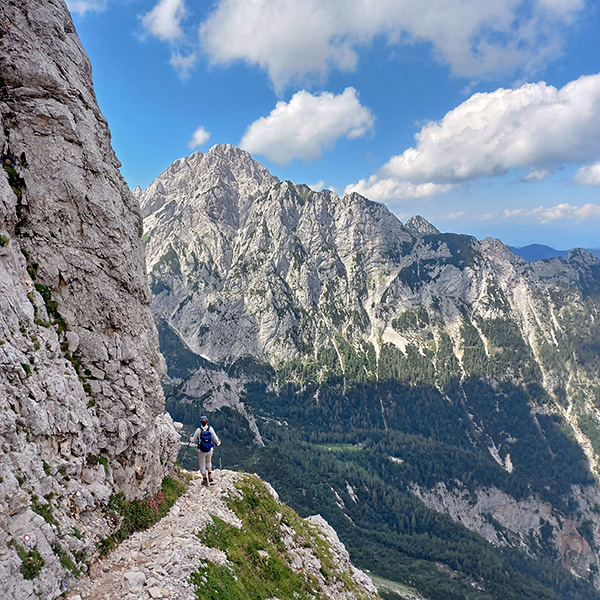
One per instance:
(481,115)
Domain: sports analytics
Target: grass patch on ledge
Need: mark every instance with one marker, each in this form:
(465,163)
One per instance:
(259,566)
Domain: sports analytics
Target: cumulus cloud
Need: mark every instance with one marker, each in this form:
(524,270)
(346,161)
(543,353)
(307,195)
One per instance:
(475,38)
(535,127)
(564,212)
(183,64)
(589,175)
(395,189)
(307,125)
(80,7)
(548,214)
(164,20)
(200,137)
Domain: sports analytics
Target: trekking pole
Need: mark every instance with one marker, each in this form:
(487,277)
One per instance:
(185,455)
(220,464)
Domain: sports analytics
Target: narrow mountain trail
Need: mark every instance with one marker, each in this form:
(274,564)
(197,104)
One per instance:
(157,562)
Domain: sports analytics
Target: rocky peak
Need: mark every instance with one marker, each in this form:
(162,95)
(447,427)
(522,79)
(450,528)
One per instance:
(223,167)
(420,226)
(319,296)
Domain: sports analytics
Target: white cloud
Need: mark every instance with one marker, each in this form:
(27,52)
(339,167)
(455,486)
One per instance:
(565,211)
(395,189)
(589,175)
(536,175)
(516,212)
(164,20)
(476,38)
(317,187)
(182,64)
(455,215)
(535,127)
(80,7)
(307,125)
(548,214)
(200,137)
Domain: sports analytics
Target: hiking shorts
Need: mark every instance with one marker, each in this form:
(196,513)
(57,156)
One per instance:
(205,460)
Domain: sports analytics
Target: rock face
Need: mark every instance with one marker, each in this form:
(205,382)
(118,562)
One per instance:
(81,406)
(319,288)
(243,264)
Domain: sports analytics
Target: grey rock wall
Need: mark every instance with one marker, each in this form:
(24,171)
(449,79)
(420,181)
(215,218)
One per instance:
(81,407)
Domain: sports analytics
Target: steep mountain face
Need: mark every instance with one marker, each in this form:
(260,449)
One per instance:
(81,406)
(469,376)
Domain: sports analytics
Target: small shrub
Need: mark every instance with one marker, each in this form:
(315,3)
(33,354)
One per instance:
(51,307)
(138,515)
(65,560)
(3,241)
(44,510)
(31,562)
(92,459)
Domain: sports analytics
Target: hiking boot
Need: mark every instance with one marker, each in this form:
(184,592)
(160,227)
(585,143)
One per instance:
(205,481)
(210,478)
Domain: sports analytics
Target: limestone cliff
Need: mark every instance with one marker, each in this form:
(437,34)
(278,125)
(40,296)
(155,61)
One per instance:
(81,407)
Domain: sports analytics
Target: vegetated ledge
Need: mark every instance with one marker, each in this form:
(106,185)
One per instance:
(234,541)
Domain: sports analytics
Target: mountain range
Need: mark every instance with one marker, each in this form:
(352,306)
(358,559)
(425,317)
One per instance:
(533,252)
(434,396)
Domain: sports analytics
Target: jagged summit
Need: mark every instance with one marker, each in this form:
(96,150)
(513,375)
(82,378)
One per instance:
(222,167)
(420,226)
(219,225)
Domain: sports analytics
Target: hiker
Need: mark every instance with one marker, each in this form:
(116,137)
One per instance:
(206,439)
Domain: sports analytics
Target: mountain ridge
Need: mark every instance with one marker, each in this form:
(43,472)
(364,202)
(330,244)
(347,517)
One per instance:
(534,252)
(310,301)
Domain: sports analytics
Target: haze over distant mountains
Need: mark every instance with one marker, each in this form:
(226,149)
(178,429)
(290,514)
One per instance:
(533,252)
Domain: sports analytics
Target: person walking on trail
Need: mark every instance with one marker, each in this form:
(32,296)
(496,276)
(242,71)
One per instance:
(206,439)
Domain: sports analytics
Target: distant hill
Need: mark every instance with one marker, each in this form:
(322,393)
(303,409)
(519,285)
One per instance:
(534,252)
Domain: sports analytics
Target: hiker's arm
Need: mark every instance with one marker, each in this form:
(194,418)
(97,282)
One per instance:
(194,438)
(215,437)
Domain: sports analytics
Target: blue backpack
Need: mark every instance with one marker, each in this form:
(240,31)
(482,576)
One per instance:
(205,443)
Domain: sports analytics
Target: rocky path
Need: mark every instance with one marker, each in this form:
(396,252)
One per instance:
(157,563)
